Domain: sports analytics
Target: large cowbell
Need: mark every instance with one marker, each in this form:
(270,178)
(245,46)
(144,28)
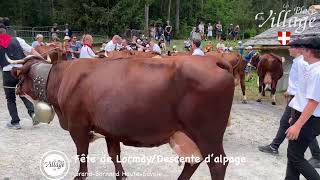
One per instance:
(43,112)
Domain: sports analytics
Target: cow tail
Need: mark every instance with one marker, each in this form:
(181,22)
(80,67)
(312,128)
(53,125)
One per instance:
(225,65)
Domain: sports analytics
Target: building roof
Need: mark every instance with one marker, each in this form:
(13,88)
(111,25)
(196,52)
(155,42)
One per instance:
(270,36)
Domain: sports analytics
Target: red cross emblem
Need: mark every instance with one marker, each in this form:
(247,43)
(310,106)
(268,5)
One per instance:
(284,37)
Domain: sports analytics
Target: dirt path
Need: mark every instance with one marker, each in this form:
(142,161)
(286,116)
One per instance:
(253,124)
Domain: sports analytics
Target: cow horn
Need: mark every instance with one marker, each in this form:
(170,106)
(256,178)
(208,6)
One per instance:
(48,59)
(14,61)
(105,54)
(283,59)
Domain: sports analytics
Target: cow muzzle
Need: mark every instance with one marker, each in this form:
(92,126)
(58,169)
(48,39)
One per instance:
(43,112)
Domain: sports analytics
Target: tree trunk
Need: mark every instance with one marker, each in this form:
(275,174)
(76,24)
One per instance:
(169,9)
(177,16)
(146,18)
(201,6)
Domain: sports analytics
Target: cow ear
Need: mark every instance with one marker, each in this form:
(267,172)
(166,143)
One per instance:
(16,72)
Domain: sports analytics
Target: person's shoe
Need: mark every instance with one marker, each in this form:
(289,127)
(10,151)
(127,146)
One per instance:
(315,163)
(13,126)
(268,149)
(34,120)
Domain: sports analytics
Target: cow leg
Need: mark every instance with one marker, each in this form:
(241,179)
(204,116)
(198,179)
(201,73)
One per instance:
(260,89)
(81,139)
(243,88)
(188,171)
(263,89)
(114,151)
(210,152)
(273,92)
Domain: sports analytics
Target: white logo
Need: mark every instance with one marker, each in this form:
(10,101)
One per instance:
(54,165)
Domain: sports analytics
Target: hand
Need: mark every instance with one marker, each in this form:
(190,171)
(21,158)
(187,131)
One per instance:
(286,94)
(293,132)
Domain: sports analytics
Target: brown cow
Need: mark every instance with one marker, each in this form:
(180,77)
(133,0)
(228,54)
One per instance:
(141,102)
(269,69)
(238,64)
(123,54)
(50,50)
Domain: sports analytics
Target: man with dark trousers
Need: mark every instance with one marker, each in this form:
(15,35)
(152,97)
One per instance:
(14,47)
(297,69)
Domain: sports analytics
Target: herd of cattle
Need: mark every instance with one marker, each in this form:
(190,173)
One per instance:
(146,100)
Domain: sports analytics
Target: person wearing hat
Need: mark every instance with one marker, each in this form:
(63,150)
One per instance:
(38,41)
(247,58)
(14,48)
(305,119)
(297,69)
(66,47)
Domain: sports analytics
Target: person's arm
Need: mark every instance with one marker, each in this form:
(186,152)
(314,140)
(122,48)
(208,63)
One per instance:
(294,131)
(26,47)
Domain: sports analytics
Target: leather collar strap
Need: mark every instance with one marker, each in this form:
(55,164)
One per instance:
(40,73)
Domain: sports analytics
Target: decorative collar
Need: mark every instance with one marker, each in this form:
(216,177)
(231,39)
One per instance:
(40,73)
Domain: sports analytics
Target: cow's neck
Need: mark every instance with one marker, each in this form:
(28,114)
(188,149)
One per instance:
(54,81)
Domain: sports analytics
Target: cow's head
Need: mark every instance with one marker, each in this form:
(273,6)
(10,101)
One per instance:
(255,60)
(26,74)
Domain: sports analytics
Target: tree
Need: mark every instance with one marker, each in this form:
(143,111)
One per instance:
(146,17)
(169,9)
(177,16)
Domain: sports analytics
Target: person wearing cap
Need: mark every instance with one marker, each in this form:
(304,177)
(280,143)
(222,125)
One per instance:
(247,58)
(38,41)
(196,48)
(14,48)
(305,119)
(296,72)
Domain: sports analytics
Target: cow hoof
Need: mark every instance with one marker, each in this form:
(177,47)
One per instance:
(273,103)
(121,178)
(79,178)
(244,102)
(259,100)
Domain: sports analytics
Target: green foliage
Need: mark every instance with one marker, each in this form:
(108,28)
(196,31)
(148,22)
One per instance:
(116,16)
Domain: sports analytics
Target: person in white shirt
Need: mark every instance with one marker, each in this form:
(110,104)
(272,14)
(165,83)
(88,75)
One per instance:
(196,48)
(210,29)
(14,48)
(155,48)
(296,71)
(305,122)
(86,50)
(112,44)
(201,29)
